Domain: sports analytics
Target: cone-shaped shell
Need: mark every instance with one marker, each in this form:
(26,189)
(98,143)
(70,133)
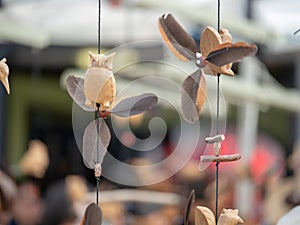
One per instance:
(4,72)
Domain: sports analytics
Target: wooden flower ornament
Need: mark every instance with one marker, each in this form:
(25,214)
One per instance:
(97,92)
(211,39)
(218,53)
(4,72)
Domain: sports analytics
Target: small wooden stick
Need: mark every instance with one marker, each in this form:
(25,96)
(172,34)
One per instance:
(217,147)
(222,158)
(217,138)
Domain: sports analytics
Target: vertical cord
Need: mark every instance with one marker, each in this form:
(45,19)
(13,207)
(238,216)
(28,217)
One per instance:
(218,118)
(217,191)
(217,163)
(97,192)
(219,15)
(97,114)
(97,117)
(99,26)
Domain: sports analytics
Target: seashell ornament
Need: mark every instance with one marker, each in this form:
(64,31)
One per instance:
(216,57)
(4,72)
(99,83)
(204,216)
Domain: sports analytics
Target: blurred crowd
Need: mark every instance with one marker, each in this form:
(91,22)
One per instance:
(63,202)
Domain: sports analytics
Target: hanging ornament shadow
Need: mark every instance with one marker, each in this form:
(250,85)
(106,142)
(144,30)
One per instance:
(97,92)
(216,57)
(4,72)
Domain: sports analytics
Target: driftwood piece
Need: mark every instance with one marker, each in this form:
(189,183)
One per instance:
(220,158)
(217,138)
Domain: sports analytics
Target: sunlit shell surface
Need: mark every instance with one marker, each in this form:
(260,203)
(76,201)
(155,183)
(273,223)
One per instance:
(99,82)
(4,72)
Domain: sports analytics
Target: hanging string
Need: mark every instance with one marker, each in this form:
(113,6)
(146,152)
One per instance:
(99,25)
(219,15)
(97,113)
(97,116)
(217,130)
(217,191)
(218,117)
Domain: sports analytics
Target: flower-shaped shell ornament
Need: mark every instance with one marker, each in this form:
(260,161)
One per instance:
(204,216)
(4,72)
(218,54)
(97,92)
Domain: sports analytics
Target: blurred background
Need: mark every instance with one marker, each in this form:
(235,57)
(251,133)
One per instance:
(44,41)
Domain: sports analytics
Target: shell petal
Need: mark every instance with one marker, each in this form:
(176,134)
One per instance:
(204,216)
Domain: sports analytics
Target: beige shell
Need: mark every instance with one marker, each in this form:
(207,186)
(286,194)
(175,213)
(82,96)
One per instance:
(77,189)
(35,160)
(4,72)
(201,94)
(230,217)
(204,216)
(210,39)
(99,82)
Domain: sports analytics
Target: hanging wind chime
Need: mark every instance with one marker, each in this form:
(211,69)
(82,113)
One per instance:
(96,92)
(216,58)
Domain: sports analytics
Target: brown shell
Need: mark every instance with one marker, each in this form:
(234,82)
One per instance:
(92,215)
(230,53)
(227,38)
(176,38)
(193,96)
(211,39)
